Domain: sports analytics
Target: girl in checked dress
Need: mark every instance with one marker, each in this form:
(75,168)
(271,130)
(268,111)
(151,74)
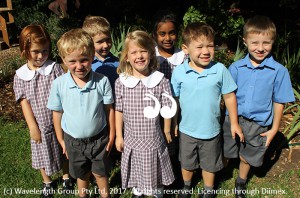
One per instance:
(32,84)
(142,93)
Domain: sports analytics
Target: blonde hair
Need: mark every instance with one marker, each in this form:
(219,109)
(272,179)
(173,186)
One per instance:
(143,40)
(195,30)
(76,39)
(95,25)
(33,34)
(259,25)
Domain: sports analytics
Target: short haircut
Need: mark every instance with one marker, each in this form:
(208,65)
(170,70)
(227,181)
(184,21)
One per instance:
(95,25)
(259,25)
(33,34)
(143,40)
(195,30)
(76,39)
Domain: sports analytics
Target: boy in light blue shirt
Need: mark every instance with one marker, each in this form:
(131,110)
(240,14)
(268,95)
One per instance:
(199,83)
(104,61)
(83,116)
(263,87)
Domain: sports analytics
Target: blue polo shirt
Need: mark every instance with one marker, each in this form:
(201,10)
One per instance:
(259,87)
(199,97)
(108,67)
(83,108)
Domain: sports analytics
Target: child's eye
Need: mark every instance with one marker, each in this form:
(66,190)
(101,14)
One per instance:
(162,34)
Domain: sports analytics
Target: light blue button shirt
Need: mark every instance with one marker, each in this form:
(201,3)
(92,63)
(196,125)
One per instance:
(83,109)
(259,87)
(199,96)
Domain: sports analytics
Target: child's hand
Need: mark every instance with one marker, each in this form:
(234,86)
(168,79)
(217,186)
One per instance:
(168,137)
(270,136)
(109,145)
(63,146)
(35,135)
(119,144)
(176,130)
(237,130)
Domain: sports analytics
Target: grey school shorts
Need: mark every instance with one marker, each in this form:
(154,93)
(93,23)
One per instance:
(87,154)
(253,149)
(203,153)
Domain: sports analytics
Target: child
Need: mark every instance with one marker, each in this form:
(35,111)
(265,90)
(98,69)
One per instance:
(62,5)
(81,101)
(145,164)
(32,84)
(263,87)
(199,83)
(165,32)
(104,61)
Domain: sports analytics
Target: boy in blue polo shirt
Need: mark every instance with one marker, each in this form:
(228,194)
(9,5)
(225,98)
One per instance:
(199,84)
(83,116)
(263,87)
(104,61)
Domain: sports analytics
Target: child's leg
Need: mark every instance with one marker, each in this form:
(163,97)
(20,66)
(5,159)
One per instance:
(46,178)
(83,185)
(208,178)
(65,169)
(244,168)
(102,183)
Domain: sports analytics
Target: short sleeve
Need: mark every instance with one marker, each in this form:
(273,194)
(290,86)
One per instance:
(18,88)
(228,83)
(175,85)
(107,93)
(54,100)
(283,91)
(119,95)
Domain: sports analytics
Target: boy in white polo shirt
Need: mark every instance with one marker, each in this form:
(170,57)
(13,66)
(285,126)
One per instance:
(81,101)
(199,83)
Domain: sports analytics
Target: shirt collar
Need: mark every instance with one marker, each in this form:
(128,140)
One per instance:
(267,62)
(150,81)
(89,85)
(176,59)
(109,56)
(210,69)
(26,74)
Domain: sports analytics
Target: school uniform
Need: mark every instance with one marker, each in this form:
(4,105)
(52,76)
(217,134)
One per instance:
(145,162)
(34,85)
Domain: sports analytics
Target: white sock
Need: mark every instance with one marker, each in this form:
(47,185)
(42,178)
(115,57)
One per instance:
(135,191)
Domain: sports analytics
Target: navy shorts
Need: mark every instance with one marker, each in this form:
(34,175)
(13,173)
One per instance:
(87,154)
(253,149)
(203,153)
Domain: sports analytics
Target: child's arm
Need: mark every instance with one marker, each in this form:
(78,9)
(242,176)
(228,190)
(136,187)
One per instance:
(167,130)
(231,105)
(278,111)
(119,131)
(174,123)
(57,115)
(111,125)
(35,133)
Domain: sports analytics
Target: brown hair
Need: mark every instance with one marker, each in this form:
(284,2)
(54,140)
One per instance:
(143,40)
(96,25)
(259,25)
(33,34)
(195,30)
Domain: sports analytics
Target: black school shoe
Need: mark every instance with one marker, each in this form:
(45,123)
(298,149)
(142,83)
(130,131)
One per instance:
(48,190)
(185,192)
(68,186)
(240,190)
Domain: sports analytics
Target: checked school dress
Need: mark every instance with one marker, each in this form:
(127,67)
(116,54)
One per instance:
(34,85)
(145,162)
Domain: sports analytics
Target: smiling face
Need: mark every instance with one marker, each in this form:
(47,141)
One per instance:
(166,37)
(201,52)
(79,65)
(259,46)
(102,43)
(139,59)
(39,53)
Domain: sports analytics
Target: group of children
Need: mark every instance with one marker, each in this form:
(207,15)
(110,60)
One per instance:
(144,100)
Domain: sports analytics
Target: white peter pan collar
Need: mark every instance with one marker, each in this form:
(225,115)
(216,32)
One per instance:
(150,81)
(26,74)
(176,59)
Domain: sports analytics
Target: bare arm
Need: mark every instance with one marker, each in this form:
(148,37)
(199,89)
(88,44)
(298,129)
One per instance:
(111,125)
(231,105)
(278,111)
(174,123)
(57,115)
(119,131)
(167,130)
(35,133)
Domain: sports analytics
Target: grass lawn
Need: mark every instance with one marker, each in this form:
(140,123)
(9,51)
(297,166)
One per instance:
(17,176)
